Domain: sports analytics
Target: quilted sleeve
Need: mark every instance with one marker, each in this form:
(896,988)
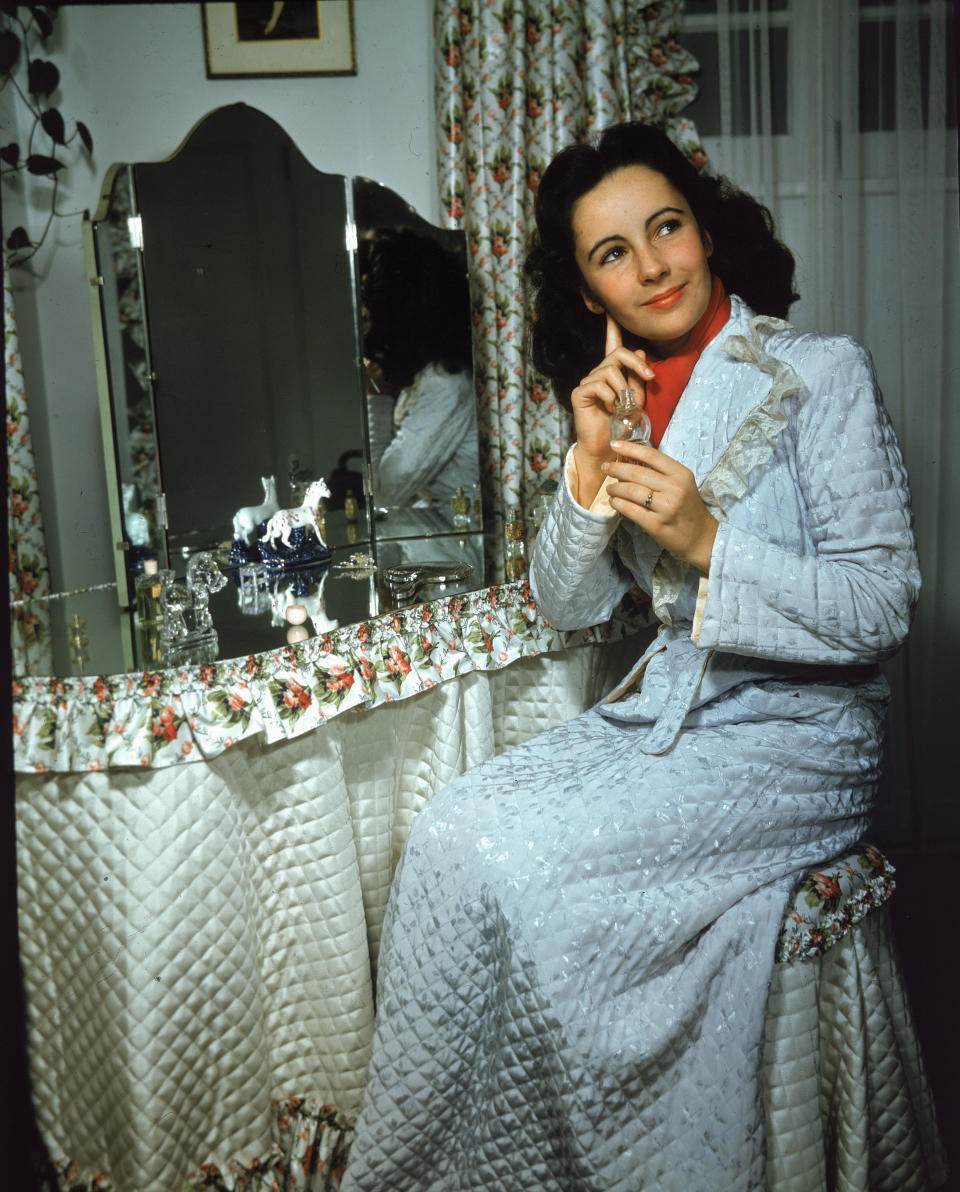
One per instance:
(850,597)
(576,577)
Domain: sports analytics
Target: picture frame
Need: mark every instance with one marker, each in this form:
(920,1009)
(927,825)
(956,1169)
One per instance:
(263,40)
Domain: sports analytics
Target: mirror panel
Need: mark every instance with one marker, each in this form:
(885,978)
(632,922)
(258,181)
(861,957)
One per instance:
(230,323)
(124,353)
(250,306)
(418,355)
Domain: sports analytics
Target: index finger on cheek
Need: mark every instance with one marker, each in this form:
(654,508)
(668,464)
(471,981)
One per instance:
(614,339)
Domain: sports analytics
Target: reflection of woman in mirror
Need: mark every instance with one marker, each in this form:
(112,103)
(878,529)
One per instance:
(581,932)
(418,345)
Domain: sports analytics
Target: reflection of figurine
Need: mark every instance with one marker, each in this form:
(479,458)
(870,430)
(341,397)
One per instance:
(291,605)
(137,527)
(246,520)
(307,514)
(418,346)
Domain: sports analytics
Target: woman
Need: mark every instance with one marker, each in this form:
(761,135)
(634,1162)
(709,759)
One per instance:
(418,344)
(581,932)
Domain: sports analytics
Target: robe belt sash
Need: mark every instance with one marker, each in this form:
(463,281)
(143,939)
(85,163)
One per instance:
(675,676)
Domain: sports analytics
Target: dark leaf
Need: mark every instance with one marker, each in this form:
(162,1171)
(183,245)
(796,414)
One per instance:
(10,153)
(44,23)
(42,77)
(38,164)
(18,238)
(9,50)
(53,125)
(9,8)
(85,136)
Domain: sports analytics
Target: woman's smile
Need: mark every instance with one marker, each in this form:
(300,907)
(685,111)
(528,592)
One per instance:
(643,257)
(667,300)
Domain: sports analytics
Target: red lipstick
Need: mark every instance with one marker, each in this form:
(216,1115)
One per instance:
(667,299)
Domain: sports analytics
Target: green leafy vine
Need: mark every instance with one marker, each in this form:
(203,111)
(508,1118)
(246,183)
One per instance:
(24,32)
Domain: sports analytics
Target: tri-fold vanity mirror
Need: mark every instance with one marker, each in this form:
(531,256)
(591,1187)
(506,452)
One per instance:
(278,345)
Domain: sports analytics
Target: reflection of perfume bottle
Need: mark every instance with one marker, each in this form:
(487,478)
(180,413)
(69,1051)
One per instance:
(350,506)
(628,421)
(545,498)
(460,507)
(149,613)
(515,557)
(79,654)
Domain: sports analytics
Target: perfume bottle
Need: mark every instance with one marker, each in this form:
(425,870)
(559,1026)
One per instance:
(147,588)
(515,554)
(460,507)
(628,421)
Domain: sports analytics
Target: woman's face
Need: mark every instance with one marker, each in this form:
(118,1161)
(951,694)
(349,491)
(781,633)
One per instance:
(642,256)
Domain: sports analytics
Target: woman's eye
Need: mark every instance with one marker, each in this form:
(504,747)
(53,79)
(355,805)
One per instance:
(612,254)
(668,226)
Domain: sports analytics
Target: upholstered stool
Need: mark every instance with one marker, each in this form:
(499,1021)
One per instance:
(847,1102)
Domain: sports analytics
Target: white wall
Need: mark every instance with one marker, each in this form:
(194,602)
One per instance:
(135,75)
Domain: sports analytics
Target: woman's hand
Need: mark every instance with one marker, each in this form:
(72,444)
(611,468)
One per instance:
(593,401)
(376,382)
(661,496)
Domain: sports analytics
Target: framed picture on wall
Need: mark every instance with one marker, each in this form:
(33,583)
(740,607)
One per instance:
(295,37)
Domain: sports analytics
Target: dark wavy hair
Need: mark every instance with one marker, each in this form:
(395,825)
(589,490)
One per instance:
(567,340)
(417,302)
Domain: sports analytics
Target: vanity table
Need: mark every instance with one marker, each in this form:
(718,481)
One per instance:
(205,859)
(206,849)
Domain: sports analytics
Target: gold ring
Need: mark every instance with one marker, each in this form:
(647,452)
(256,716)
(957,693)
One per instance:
(649,501)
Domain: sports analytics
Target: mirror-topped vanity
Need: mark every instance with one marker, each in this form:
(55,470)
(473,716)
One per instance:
(262,327)
(249,366)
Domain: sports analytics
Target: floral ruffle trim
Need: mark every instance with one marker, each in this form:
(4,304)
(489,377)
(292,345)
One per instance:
(831,901)
(183,715)
(310,1155)
(752,444)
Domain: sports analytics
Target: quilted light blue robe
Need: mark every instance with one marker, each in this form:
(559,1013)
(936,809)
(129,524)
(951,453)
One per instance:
(581,932)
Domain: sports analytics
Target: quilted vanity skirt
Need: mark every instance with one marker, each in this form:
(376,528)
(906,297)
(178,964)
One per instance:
(580,941)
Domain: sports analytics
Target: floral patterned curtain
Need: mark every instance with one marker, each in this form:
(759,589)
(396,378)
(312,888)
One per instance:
(517,80)
(30,642)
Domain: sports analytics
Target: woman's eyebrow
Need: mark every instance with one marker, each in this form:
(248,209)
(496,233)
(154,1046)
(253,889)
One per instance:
(663,211)
(647,222)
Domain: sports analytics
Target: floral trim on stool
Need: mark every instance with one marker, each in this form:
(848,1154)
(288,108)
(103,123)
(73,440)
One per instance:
(831,901)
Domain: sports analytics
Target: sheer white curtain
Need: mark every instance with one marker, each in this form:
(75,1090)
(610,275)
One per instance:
(840,115)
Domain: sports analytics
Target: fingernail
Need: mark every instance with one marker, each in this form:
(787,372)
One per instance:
(604,467)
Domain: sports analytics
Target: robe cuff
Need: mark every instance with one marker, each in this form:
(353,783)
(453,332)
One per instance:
(701,606)
(601,502)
